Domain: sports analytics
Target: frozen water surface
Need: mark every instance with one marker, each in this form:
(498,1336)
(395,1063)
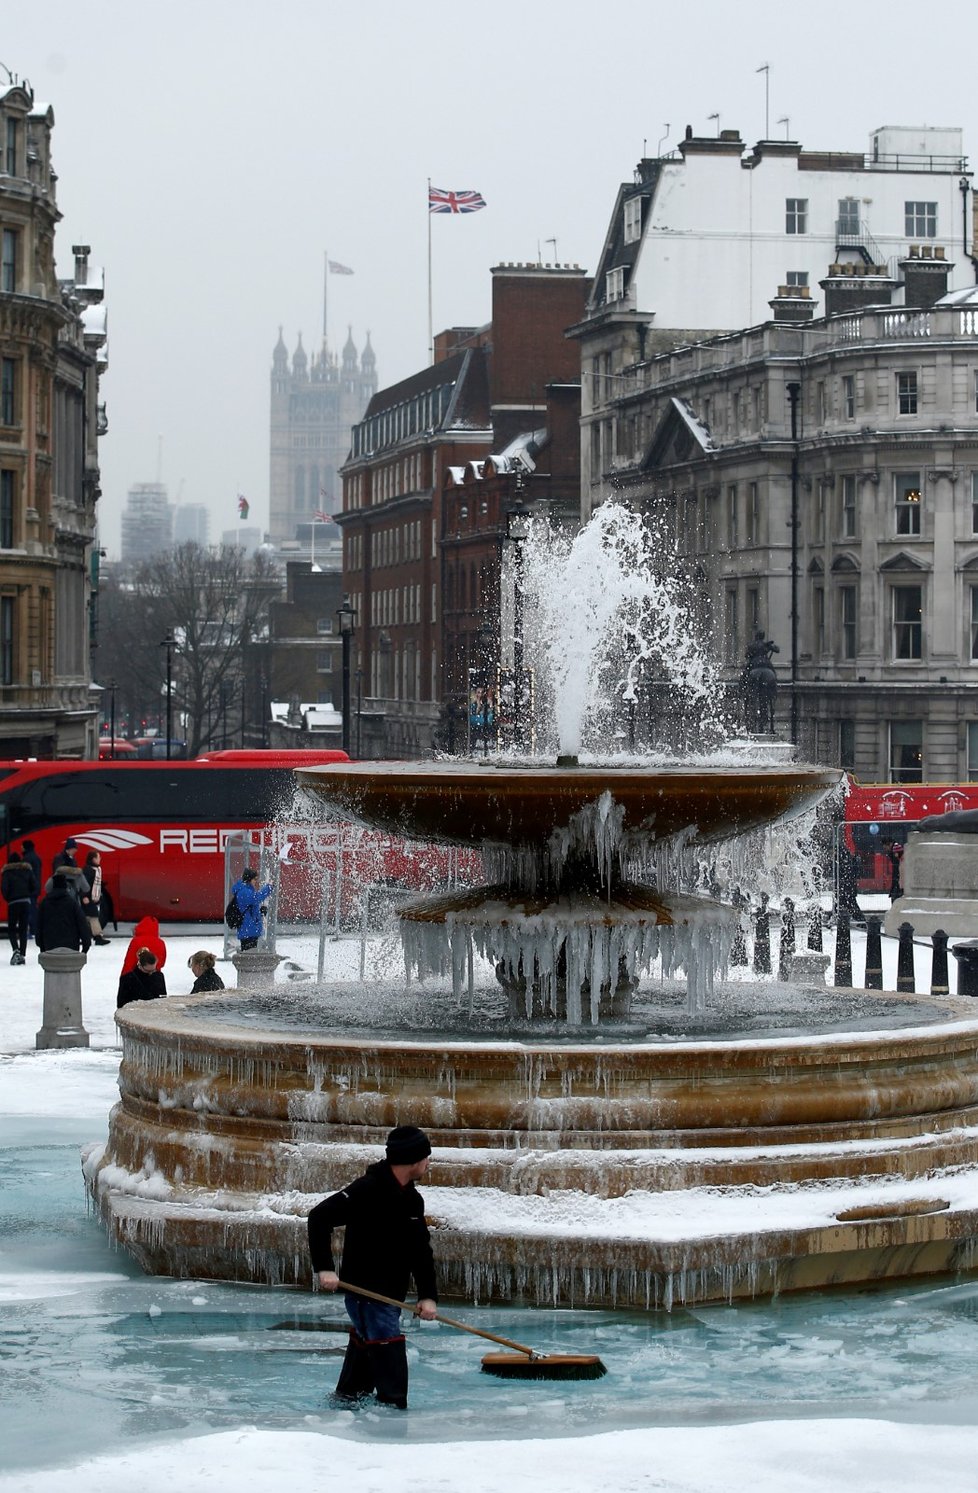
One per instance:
(97,1356)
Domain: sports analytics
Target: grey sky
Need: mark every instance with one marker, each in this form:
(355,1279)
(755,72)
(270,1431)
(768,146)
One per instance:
(211,150)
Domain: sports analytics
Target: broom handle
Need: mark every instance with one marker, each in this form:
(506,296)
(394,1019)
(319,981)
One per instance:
(402,1306)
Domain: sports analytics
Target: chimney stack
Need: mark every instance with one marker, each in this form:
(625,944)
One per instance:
(81,253)
(925,275)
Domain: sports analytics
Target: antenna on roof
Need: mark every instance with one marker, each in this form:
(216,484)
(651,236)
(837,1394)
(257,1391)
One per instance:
(663,139)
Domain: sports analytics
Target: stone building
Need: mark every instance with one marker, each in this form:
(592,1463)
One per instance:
(486,390)
(147,522)
(314,405)
(52,353)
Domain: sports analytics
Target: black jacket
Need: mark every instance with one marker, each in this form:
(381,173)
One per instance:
(61,924)
(386,1239)
(17,882)
(209,980)
(140,985)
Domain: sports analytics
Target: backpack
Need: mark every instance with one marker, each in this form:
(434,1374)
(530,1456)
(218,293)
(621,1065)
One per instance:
(233,915)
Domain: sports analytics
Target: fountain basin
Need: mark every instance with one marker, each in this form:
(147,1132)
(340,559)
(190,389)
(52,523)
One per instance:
(639,1172)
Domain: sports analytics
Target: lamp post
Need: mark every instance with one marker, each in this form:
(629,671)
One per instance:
(517,532)
(111,689)
(169,643)
(794,395)
(346,613)
(359,712)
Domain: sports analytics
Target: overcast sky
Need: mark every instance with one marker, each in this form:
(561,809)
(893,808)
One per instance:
(210,151)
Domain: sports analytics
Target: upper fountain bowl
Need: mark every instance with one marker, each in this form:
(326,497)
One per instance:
(470,803)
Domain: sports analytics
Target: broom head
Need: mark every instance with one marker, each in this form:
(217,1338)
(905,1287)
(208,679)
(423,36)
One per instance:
(543,1366)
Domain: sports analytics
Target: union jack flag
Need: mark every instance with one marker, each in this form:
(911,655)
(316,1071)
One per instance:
(322,517)
(243,506)
(440,201)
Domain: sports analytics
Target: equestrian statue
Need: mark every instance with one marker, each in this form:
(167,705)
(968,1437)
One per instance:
(759,684)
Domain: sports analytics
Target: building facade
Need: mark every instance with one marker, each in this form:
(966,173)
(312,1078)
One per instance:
(314,405)
(147,522)
(52,353)
(403,541)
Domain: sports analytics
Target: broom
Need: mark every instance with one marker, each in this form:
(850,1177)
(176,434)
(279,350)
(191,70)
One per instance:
(525,1363)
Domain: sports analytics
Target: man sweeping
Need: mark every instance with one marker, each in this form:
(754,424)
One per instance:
(386,1244)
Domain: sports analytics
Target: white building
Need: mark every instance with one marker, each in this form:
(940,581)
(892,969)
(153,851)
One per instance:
(191,523)
(147,522)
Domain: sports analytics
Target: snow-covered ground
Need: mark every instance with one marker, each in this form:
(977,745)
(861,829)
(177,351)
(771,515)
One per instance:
(57,1271)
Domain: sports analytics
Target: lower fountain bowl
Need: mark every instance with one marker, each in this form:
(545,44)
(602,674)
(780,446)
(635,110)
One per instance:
(637,1172)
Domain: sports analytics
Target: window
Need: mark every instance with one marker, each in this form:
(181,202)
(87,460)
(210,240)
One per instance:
(10,148)
(796,215)
(907,496)
(973,751)
(848,621)
(848,222)
(818,620)
(906,393)
(907,622)
(730,619)
(753,609)
(324,625)
(324,661)
(847,508)
(976,390)
(754,513)
(849,396)
(633,219)
(821,501)
(906,751)
(7,510)
(8,389)
(8,261)
(974,502)
(798,278)
(6,640)
(974,623)
(920,219)
(614,285)
(732,516)
(820,405)
(847,744)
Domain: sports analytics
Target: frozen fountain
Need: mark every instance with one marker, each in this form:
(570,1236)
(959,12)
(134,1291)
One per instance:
(604,1133)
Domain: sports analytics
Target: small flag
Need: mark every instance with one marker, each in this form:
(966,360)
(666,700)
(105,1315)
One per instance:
(243,506)
(440,201)
(322,517)
(339,269)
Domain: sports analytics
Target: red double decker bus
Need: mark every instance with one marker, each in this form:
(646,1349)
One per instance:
(878,815)
(162,827)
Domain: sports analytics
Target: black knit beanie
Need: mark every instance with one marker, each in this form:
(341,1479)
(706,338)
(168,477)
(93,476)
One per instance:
(406,1144)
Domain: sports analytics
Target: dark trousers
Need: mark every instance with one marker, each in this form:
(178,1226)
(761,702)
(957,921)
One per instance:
(17,915)
(248,943)
(377,1355)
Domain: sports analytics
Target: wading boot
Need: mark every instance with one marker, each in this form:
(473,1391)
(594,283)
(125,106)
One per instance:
(389,1361)
(356,1381)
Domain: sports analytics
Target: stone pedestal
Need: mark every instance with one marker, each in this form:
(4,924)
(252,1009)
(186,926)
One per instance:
(940,885)
(807,969)
(967,956)
(62,1017)
(256,968)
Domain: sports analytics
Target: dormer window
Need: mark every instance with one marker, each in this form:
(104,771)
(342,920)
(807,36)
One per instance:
(614,284)
(10,146)
(633,220)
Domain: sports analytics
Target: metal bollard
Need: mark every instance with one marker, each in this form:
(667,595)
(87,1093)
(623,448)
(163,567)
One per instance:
(762,940)
(815,927)
(787,950)
(906,981)
(874,952)
(738,949)
(842,978)
(938,970)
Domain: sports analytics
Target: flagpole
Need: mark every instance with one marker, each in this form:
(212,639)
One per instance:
(325,295)
(431,340)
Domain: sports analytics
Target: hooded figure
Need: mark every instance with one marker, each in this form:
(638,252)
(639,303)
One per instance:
(249,898)
(145,935)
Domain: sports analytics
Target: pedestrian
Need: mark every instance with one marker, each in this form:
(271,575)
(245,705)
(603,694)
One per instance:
(61,924)
(17,887)
(143,983)
(145,935)
(250,899)
(894,855)
(206,977)
(92,897)
(30,855)
(386,1243)
(65,857)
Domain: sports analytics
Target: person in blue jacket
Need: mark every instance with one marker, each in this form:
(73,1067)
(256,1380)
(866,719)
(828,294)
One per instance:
(249,899)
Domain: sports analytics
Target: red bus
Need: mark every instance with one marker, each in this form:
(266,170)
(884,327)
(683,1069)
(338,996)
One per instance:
(162,827)
(879,815)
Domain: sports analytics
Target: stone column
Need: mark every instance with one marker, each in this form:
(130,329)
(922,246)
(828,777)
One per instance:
(256,968)
(62,1017)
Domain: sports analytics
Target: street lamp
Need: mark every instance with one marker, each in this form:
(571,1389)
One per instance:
(346,613)
(359,712)
(111,688)
(169,643)
(517,532)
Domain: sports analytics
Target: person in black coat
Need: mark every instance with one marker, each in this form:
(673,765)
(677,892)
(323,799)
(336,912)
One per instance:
(144,983)
(61,924)
(17,887)
(206,977)
(386,1244)
(30,855)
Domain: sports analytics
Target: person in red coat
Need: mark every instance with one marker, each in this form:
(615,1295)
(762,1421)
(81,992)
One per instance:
(146,935)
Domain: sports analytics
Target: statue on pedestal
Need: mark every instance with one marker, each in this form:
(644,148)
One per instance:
(759,684)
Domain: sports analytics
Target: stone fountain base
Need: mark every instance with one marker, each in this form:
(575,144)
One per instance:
(636,1173)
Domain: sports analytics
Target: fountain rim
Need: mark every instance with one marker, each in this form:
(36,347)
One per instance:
(160,1020)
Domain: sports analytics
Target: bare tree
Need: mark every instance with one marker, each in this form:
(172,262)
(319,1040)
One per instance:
(214,604)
